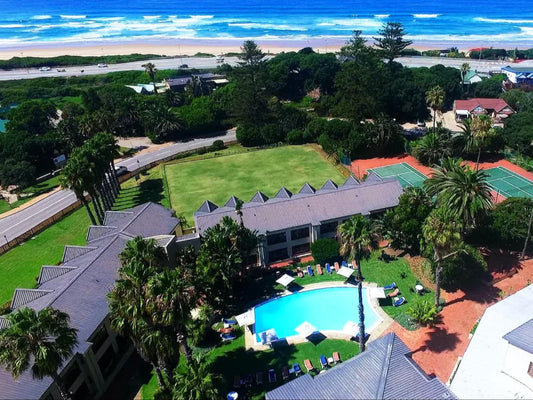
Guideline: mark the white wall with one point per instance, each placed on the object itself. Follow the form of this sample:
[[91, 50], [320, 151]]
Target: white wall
[[516, 364]]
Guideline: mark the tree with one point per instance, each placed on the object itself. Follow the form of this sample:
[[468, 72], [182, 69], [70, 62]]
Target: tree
[[481, 131], [37, 340], [465, 67], [34, 117], [356, 241], [162, 122], [144, 251], [325, 250], [435, 100], [391, 43], [518, 132], [195, 381], [461, 190], [402, 225], [151, 70], [442, 231], [507, 224], [433, 147]]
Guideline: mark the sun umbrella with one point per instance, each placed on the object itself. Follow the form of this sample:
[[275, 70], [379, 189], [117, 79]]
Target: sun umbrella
[[306, 329], [377, 293], [346, 272], [285, 280], [351, 328], [246, 318]]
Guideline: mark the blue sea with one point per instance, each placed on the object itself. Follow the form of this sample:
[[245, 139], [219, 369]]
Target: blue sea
[[28, 22]]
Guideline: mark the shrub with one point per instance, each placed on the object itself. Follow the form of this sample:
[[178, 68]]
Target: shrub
[[217, 145], [463, 269], [296, 136], [423, 311], [509, 221], [248, 136], [325, 250]]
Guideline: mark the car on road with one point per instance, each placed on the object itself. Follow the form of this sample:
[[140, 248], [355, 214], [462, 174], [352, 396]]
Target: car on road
[[101, 65], [183, 66], [219, 59], [122, 170], [44, 69]]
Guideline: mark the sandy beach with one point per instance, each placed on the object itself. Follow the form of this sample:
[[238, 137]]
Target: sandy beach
[[189, 47]]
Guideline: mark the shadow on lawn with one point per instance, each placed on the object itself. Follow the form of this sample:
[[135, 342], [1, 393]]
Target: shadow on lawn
[[150, 190]]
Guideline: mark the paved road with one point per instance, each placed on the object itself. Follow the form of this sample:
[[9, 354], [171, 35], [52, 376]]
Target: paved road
[[16, 224], [160, 63]]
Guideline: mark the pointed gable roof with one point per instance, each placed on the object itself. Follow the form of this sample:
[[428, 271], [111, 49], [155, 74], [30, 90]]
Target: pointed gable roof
[[328, 186], [259, 197], [283, 193], [98, 231], [49, 272], [351, 181], [232, 202], [207, 207], [306, 189], [71, 252], [24, 296], [373, 178]]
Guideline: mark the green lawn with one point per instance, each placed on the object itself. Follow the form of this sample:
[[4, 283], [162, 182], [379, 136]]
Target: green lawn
[[217, 179], [20, 266], [35, 190]]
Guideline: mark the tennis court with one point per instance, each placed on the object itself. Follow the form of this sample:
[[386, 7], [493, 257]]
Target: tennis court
[[508, 183], [407, 175]]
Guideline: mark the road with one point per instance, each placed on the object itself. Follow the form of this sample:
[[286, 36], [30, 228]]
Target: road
[[16, 224]]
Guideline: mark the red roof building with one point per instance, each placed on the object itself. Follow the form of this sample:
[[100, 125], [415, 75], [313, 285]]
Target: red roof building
[[497, 109]]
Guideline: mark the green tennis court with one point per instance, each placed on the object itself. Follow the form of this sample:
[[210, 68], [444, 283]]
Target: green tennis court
[[407, 175], [508, 183]]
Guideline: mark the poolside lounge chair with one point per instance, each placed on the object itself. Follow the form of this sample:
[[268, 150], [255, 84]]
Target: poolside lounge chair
[[354, 264], [259, 378], [308, 365], [310, 270], [323, 361], [367, 335], [390, 287], [296, 368], [271, 375], [319, 269], [336, 265], [394, 293], [285, 372], [229, 321], [227, 336], [237, 382], [300, 272], [398, 301], [344, 264], [336, 357], [328, 268]]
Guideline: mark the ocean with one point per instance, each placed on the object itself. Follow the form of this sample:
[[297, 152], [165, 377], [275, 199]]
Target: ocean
[[32, 22]]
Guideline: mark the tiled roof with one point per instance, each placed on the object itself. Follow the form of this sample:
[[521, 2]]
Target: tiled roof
[[25, 296], [303, 209], [49, 272], [283, 193], [488, 104], [207, 207], [306, 189], [385, 371], [522, 337], [259, 197], [72, 252], [351, 181], [95, 232], [232, 202]]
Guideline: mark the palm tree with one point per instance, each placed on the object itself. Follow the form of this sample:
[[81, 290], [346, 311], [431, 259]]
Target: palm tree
[[163, 122], [469, 140], [195, 381], [144, 251], [465, 67], [432, 148], [435, 100], [460, 189], [442, 231], [37, 340], [481, 129], [357, 240], [151, 70]]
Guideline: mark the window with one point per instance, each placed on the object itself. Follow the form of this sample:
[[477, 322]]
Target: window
[[105, 363], [301, 233], [278, 255], [530, 369], [98, 338], [301, 249], [328, 227], [71, 374], [275, 238]]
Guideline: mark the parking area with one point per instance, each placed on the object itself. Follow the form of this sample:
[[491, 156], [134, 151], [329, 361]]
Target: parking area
[[406, 174]]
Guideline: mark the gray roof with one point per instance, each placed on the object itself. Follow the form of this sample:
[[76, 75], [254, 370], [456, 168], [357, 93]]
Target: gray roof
[[72, 252], [351, 181], [49, 272], [81, 292], [207, 207], [259, 197], [283, 193], [385, 371], [522, 337], [306, 189], [232, 202], [328, 186], [309, 208]]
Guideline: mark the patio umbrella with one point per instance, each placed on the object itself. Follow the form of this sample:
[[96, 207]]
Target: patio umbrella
[[377, 293], [306, 329], [246, 318], [346, 272], [285, 280], [351, 328], [268, 336]]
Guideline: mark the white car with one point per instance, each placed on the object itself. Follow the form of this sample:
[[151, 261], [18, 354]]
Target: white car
[[43, 69], [102, 65]]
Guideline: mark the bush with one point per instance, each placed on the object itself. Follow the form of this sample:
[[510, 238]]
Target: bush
[[296, 136], [508, 223], [325, 250], [423, 312], [463, 269], [249, 136], [217, 145]]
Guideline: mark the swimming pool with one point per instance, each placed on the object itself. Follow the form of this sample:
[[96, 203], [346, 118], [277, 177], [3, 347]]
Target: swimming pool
[[326, 309]]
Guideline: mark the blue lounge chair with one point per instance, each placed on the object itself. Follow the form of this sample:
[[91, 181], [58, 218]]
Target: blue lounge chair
[[296, 368], [344, 264], [229, 321], [328, 268], [310, 270], [323, 361], [228, 336], [271, 375], [399, 302], [390, 287]]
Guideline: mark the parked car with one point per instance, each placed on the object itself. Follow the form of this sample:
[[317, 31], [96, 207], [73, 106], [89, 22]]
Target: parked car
[[183, 66], [122, 170], [102, 65], [43, 69], [421, 124]]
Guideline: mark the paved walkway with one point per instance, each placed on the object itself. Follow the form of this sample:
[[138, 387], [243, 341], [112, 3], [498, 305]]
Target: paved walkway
[[437, 348]]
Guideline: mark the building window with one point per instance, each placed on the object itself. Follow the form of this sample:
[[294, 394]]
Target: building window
[[278, 255], [302, 233], [71, 374], [530, 369], [105, 363], [328, 227], [301, 249], [98, 338], [275, 238]]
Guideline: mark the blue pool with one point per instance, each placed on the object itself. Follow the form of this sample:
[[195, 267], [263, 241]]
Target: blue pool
[[326, 309]]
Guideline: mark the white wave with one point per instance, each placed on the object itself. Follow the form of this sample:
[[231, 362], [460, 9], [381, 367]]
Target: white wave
[[109, 18], [41, 17], [73, 16], [525, 35], [11, 26], [382, 15], [202, 16], [426, 15], [254, 25], [326, 24], [504, 21], [151, 17], [357, 22]]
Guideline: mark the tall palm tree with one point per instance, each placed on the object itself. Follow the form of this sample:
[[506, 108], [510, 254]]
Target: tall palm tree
[[163, 122], [442, 231], [481, 130], [462, 190], [469, 140], [435, 100], [465, 67], [144, 251], [195, 381], [357, 240], [40, 341], [151, 70], [432, 148]]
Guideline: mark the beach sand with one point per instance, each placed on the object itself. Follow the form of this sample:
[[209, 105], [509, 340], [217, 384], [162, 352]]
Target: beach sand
[[190, 47]]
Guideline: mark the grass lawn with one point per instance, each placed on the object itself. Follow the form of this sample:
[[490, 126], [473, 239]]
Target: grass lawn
[[35, 190], [217, 179], [21, 265]]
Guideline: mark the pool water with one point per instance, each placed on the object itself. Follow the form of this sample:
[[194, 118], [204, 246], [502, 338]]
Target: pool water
[[326, 309]]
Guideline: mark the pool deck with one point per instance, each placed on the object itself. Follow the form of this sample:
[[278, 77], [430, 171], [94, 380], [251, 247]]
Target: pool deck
[[384, 324]]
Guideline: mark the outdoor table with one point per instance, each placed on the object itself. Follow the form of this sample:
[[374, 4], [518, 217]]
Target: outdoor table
[[419, 288], [330, 360]]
